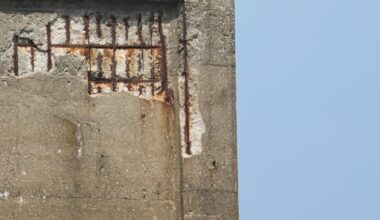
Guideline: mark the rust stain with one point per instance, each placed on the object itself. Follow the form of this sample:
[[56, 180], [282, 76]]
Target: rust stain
[[92, 53], [108, 53], [107, 56], [131, 60], [129, 86], [79, 51], [156, 57]]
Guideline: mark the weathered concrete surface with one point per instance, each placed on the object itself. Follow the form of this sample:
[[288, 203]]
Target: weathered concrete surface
[[65, 154], [74, 157], [210, 179], [43, 3]]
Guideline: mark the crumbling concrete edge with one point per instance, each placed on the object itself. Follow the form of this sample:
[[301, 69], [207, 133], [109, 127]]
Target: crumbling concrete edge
[[209, 179], [191, 121]]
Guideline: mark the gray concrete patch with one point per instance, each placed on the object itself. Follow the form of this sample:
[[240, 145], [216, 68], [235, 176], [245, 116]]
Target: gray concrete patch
[[117, 110]]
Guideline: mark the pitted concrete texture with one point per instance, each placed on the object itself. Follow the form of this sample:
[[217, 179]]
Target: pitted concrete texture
[[82, 134], [71, 157]]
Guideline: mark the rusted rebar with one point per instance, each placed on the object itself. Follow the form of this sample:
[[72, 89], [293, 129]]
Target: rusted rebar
[[99, 63], [126, 28], [67, 28], [98, 26], [152, 64], [123, 80], [105, 46], [140, 56], [157, 51], [164, 68], [48, 33], [32, 58], [128, 55], [86, 29], [140, 29], [86, 21], [186, 74], [15, 55], [113, 65]]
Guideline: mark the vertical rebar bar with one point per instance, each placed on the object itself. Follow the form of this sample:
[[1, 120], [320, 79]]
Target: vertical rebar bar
[[48, 33], [15, 55], [113, 35], [186, 74]]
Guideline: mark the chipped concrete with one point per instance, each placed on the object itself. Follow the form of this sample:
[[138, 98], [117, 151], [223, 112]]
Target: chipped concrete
[[117, 110]]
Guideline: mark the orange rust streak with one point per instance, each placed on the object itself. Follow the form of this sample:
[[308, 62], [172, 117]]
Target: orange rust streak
[[108, 53]]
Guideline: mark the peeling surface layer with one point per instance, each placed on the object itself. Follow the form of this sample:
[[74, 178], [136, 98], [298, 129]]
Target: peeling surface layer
[[190, 116], [121, 55]]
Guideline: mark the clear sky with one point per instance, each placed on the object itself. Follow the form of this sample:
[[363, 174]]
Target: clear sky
[[308, 80]]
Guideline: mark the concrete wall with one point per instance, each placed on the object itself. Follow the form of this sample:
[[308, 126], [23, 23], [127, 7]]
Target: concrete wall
[[210, 178], [137, 122]]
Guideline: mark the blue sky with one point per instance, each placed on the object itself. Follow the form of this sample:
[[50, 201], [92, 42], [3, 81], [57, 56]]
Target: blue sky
[[308, 81]]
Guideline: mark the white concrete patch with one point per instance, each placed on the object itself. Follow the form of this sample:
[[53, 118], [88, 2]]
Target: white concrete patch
[[79, 140], [20, 201], [4, 195], [197, 125]]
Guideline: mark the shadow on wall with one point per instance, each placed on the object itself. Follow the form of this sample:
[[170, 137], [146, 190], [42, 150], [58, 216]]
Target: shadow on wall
[[48, 5]]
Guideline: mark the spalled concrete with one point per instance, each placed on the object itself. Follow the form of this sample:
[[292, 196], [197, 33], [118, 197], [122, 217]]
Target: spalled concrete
[[82, 135]]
